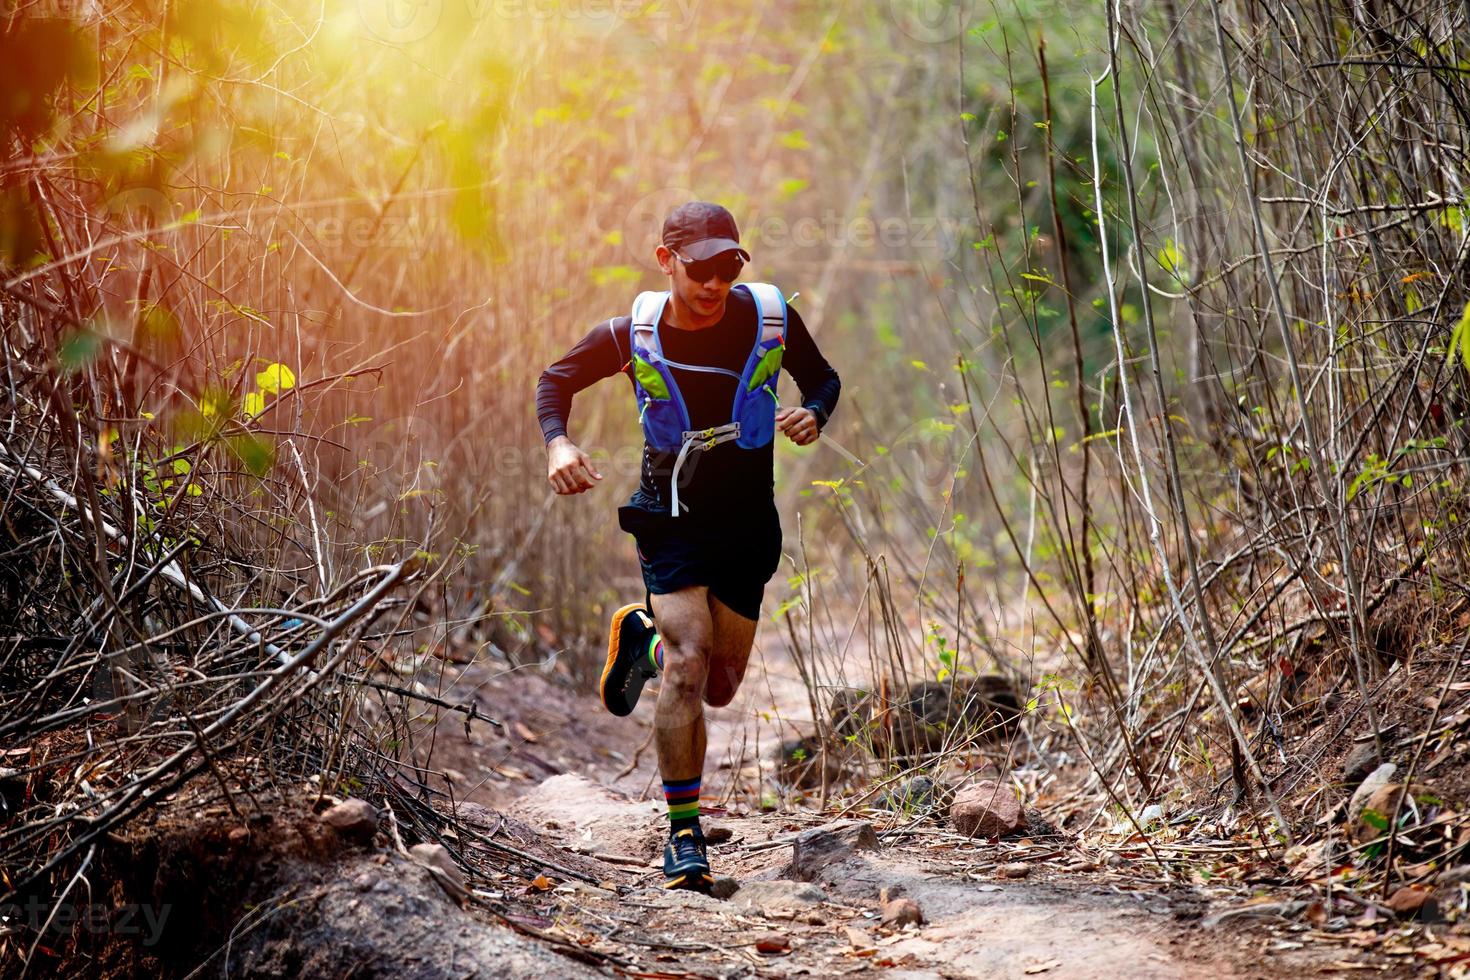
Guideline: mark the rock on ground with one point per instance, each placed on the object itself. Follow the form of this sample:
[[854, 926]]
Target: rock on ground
[[900, 912], [353, 819], [920, 794], [987, 809], [383, 921], [822, 847], [1359, 763]]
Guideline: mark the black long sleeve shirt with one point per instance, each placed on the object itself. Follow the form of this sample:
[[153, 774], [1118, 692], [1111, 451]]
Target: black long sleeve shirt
[[712, 481]]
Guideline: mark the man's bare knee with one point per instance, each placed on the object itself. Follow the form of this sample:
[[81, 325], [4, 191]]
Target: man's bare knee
[[686, 669]]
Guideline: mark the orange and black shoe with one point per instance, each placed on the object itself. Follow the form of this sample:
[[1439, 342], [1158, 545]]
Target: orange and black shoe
[[629, 660], [686, 865]]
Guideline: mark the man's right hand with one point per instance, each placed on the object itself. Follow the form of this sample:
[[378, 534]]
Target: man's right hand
[[568, 469]]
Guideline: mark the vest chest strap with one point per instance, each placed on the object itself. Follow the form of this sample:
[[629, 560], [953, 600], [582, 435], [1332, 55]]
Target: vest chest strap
[[698, 441]]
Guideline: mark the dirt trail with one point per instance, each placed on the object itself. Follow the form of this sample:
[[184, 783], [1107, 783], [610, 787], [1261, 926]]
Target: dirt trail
[[577, 777], [976, 924]]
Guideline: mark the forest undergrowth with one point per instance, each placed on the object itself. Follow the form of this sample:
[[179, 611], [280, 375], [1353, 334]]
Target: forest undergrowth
[[1154, 323]]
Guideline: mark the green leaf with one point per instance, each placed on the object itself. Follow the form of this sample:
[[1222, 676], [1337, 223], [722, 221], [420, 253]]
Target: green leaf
[[257, 454], [795, 140], [649, 379], [768, 365], [785, 608], [1460, 338], [275, 379], [791, 187], [1171, 257], [77, 350]]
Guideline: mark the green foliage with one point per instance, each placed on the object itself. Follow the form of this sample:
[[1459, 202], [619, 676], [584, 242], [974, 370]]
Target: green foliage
[[1460, 339], [77, 350]]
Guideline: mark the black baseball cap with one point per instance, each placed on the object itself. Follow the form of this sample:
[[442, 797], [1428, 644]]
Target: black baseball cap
[[700, 230]]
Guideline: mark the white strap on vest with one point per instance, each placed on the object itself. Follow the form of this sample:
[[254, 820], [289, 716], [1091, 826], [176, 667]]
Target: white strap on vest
[[699, 442], [772, 309], [647, 309]]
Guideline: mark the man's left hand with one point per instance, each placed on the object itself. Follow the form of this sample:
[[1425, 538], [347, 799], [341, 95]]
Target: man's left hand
[[799, 424]]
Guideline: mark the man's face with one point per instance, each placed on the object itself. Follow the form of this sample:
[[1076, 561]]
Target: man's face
[[704, 298]]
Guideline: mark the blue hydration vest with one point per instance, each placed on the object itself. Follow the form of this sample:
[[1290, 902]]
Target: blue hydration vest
[[661, 409]]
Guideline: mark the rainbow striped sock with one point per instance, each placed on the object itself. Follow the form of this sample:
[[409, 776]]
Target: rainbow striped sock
[[656, 652], [683, 798]]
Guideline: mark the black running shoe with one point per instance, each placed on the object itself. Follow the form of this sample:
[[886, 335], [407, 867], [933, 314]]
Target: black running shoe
[[685, 863], [628, 667]]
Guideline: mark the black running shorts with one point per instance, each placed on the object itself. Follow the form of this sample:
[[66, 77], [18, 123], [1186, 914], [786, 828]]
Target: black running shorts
[[735, 558]]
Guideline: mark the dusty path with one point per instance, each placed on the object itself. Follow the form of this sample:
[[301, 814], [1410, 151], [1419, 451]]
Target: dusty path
[[1063, 919], [975, 924], [575, 776]]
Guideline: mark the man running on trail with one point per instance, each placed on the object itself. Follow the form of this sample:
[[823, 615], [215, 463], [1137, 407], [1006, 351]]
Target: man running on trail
[[703, 360]]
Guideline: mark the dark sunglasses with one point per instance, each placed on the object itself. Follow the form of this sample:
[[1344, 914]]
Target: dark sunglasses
[[726, 265]]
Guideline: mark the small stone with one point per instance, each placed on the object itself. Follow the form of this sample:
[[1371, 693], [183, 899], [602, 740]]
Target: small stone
[[718, 834], [724, 887], [902, 912], [823, 847], [353, 819], [239, 835], [772, 942], [1015, 869], [365, 881], [814, 919], [987, 809], [1358, 763], [921, 794]]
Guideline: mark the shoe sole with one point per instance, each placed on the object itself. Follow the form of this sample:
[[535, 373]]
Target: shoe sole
[[692, 882], [614, 636]]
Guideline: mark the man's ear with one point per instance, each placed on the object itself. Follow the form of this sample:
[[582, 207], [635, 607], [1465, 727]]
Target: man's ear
[[665, 258]]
